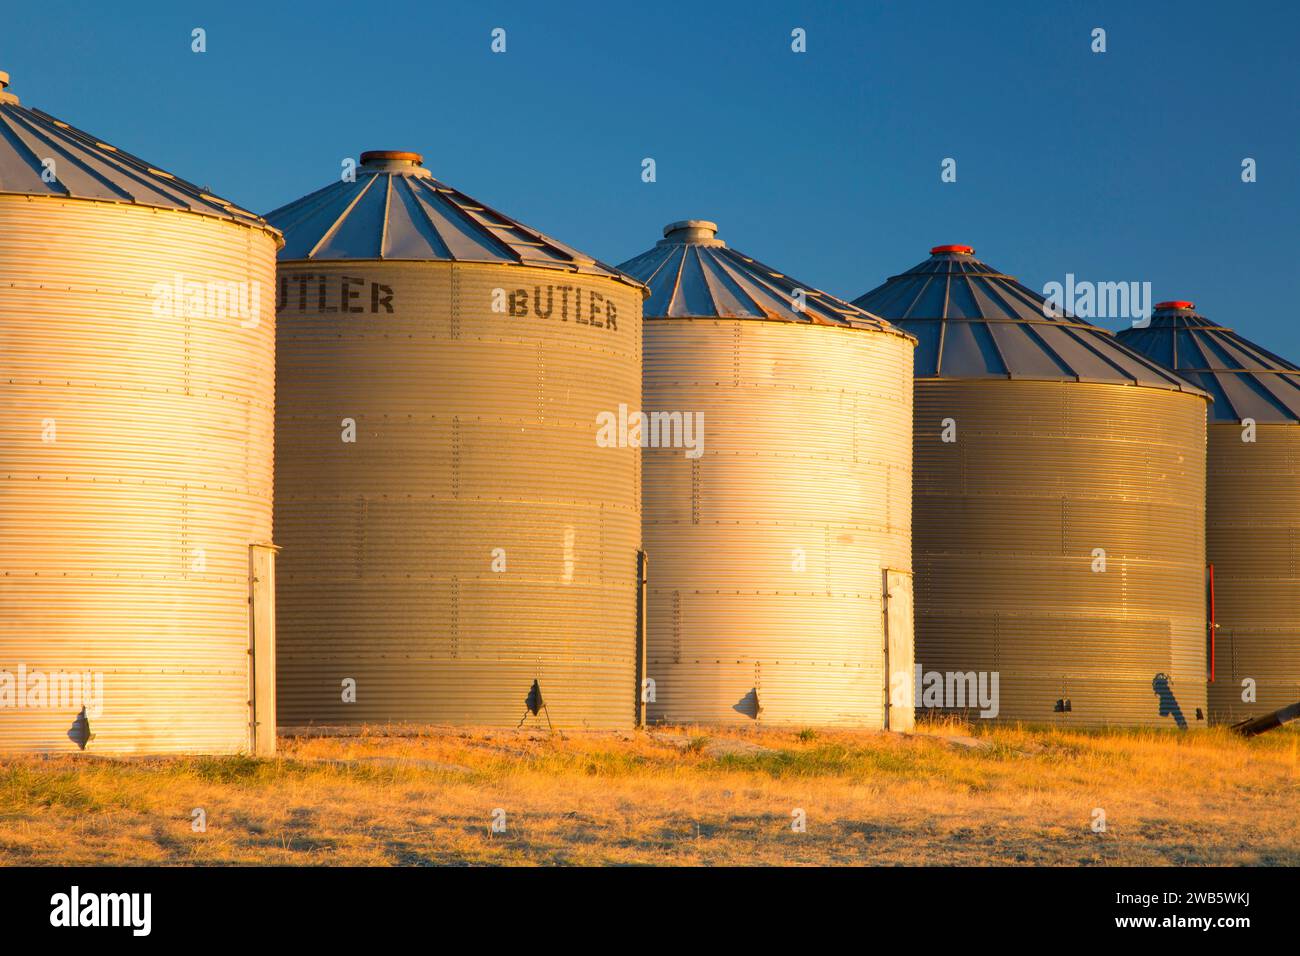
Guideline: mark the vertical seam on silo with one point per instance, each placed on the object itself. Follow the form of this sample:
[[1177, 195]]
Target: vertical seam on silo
[[455, 457], [736, 336], [455, 301], [677, 627], [997, 640], [695, 490], [1065, 517]]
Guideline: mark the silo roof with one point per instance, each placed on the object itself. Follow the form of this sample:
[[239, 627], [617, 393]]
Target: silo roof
[[85, 167], [694, 274], [973, 321], [393, 209], [1243, 379]]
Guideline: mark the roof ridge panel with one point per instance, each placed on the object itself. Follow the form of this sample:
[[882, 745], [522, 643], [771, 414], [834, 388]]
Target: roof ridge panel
[[1248, 380], [727, 280], [414, 217], [1027, 342], [89, 168]]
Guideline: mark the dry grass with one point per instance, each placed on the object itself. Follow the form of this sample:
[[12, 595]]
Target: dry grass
[[675, 796]]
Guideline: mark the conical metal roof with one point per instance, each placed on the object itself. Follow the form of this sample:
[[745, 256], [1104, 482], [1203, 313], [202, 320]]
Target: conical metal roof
[[44, 156], [693, 274], [395, 210], [1244, 380], [973, 321]]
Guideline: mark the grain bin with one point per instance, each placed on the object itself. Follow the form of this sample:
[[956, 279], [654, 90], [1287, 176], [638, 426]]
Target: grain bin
[[454, 527], [1059, 526], [780, 539], [1252, 504], [136, 361]]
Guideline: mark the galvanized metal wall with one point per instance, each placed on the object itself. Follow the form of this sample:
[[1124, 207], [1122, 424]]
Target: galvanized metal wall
[[1006, 521], [476, 430], [124, 531], [1253, 541], [766, 551]]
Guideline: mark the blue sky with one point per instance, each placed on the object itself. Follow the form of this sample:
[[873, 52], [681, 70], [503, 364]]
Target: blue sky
[[1117, 166]]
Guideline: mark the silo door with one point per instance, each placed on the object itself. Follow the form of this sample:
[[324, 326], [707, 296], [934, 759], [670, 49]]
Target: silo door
[[900, 709], [261, 649]]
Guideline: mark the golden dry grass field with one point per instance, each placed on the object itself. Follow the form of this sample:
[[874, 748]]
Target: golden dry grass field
[[948, 794]]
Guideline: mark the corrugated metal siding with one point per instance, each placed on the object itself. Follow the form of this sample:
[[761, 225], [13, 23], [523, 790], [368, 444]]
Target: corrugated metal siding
[[476, 430], [807, 445], [1006, 520], [163, 447], [1253, 540]]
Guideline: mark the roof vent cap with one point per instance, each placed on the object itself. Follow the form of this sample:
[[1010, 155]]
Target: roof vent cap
[[393, 161], [959, 250], [696, 231], [1181, 304]]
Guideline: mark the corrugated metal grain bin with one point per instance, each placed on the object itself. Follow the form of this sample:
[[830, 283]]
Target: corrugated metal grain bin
[[1059, 523], [136, 389], [775, 537], [453, 527], [1252, 504]]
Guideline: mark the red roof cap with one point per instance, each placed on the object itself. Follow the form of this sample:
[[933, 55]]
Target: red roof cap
[[963, 250], [1175, 304], [401, 155]]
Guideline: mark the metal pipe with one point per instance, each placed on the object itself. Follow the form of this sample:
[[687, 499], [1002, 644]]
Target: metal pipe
[[642, 579], [1213, 625]]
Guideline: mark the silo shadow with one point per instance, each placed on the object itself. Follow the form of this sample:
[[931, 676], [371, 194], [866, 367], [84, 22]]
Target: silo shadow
[[1168, 702], [748, 705]]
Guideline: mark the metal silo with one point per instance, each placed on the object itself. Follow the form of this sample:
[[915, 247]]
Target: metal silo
[[780, 544], [136, 391], [1252, 504], [454, 527], [1059, 523]]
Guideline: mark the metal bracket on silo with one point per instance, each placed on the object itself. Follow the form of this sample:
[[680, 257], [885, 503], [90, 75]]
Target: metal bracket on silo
[[642, 592]]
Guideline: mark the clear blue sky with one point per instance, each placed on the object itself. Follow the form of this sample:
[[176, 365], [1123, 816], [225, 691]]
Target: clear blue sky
[[1116, 166]]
